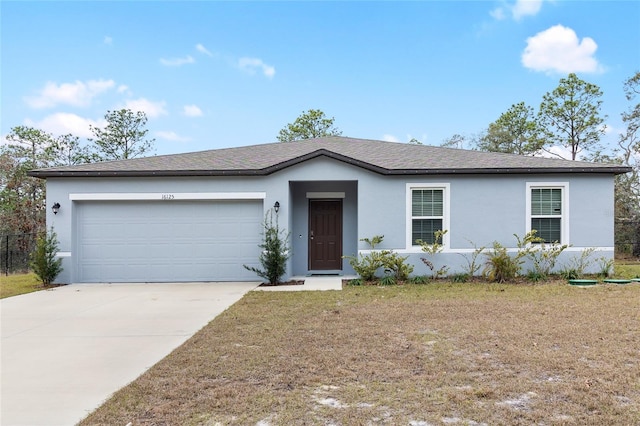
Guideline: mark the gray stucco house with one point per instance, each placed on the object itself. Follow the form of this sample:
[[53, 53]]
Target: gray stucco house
[[198, 216]]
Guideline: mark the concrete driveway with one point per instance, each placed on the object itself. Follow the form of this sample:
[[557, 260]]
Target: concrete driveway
[[64, 351]]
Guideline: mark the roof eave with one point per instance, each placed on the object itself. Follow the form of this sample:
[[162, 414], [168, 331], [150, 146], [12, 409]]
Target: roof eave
[[510, 170], [43, 174]]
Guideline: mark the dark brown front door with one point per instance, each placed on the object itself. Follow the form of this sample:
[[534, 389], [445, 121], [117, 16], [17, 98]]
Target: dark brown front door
[[325, 234]]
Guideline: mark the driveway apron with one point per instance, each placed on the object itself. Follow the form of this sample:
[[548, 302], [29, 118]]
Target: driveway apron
[[66, 350]]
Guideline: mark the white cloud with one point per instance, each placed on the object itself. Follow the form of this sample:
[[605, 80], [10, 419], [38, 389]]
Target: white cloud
[[192, 111], [62, 123], [200, 48], [518, 10], [150, 108], [123, 88], [171, 136], [177, 62], [79, 93], [525, 8], [556, 151], [559, 50], [250, 65], [498, 14], [390, 138], [108, 40]]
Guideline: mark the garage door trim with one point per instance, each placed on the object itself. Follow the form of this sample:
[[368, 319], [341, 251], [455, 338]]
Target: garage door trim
[[166, 196], [156, 241]]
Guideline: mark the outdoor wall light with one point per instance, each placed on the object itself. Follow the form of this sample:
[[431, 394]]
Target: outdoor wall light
[[55, 208], [276, 207]]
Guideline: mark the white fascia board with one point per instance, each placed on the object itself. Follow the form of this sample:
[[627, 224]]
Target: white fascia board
[[167, 196]]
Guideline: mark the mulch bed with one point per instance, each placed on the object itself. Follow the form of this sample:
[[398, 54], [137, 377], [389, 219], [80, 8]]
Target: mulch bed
[[292, 282]]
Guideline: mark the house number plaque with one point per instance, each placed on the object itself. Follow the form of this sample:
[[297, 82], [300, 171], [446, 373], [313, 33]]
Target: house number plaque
[[168, 196]]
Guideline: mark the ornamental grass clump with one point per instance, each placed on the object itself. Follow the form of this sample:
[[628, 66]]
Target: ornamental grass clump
[[501, 267]]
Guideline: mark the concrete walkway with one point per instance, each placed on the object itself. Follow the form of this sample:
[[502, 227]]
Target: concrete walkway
[[313, 283], [66, 350]]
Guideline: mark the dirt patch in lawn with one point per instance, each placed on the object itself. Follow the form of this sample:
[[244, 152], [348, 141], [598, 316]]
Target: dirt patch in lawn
[[414, 355]]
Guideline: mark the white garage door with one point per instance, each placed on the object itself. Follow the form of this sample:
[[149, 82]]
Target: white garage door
[[149, 241]]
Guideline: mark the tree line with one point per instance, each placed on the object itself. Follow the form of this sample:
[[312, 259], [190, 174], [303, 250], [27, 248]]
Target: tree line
[[22, 198], [568, 117]]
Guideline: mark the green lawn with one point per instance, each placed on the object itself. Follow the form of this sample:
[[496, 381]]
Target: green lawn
[[16, 284], [627, 270]]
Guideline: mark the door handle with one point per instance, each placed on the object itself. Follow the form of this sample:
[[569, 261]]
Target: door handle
[[311, 235]]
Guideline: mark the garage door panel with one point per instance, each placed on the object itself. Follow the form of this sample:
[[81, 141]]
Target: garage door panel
[[176, 241]]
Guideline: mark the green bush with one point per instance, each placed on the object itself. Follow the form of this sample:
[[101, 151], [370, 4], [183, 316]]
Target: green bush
[[396, 265], [43, 259], [275, 252], [460, 278], [502, 267], [367, 266]]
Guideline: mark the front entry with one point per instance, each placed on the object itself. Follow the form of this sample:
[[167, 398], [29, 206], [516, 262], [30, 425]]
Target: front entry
[[325, 235]]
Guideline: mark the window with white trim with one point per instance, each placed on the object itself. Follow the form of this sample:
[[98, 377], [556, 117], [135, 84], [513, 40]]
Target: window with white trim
[[427, 213], [546, 211]]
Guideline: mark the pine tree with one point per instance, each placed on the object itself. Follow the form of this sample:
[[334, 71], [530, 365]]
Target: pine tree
[[43, 259]]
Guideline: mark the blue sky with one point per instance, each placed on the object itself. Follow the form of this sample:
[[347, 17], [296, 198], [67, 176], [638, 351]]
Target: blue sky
[[221, 74]]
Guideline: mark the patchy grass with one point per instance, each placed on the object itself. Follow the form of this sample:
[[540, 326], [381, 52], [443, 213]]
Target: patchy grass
[[416, 354], [627, 269], [16, 284]]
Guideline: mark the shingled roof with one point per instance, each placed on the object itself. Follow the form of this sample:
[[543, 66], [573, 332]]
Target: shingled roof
[[386, 158]]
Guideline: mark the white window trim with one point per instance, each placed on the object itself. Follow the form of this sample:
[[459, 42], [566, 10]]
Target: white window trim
[[564, 220], [446, 187]]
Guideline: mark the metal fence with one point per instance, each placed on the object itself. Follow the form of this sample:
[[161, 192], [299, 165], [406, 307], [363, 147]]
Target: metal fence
[[15, 251], [627, 237]]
